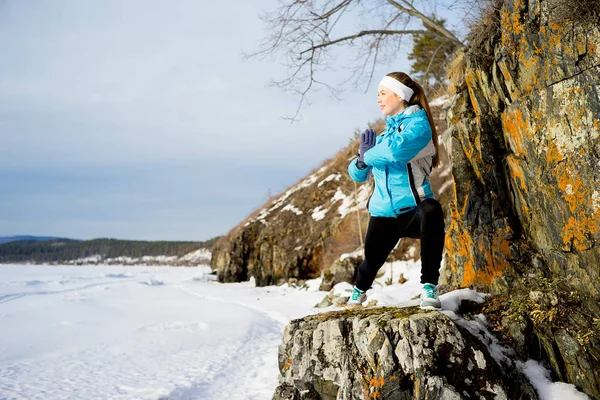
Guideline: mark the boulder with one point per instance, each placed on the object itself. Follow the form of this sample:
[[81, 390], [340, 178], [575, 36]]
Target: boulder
[[390, 353], [343, 270]]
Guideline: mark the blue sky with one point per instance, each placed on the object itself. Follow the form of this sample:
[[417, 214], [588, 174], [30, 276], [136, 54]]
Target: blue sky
[[141, 119]]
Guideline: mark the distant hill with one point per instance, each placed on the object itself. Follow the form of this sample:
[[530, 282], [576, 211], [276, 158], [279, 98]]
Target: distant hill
[[7, 239], [105, 251]]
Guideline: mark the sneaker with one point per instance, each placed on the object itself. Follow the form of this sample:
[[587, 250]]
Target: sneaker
[[429, 299], [357, 298]]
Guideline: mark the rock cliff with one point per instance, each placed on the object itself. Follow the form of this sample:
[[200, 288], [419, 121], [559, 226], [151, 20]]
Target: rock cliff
[[525, 218]]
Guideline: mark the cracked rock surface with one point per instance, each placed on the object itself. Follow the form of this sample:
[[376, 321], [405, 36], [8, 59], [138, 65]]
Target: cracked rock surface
[[389, 353]]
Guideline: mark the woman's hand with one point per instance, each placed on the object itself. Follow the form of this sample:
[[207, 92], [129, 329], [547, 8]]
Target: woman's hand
[[367, 140]]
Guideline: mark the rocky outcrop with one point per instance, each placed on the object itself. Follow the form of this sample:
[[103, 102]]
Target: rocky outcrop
[[525, 126], [342, 270], [390, 353], [297, 233]]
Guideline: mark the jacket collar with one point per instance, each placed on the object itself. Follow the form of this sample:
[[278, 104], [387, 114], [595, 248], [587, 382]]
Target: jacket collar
[[395, 120]]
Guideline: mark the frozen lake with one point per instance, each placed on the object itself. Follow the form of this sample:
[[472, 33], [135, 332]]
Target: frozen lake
[[94, 332], [168, 333]]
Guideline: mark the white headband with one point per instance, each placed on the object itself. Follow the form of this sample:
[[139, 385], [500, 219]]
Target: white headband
[[403, 91]]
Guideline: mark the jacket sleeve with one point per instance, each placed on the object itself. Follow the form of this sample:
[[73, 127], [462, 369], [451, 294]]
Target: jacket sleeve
[[403, 147], [357, 174]]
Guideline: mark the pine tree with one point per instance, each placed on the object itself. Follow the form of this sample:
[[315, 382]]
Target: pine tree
[[429, 55]]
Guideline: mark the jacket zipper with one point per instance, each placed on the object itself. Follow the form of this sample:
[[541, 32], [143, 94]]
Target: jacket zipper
[[387, 187], [411, 183]]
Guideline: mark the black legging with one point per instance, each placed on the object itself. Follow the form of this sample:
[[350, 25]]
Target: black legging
[[425, 222]]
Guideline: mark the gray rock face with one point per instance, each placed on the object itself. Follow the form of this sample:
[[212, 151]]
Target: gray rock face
[[525, 127], [389, 353]]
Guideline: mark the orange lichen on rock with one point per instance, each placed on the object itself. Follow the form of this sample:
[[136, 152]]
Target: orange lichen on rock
[[585, 219], [574, 191], [511, 22], [497, 256], [577, 230], [458, 245], [514, 20], [553, 155], [287, 364], [516, 172], [470, 80], [554, 39], [372, 385], [516, 127]]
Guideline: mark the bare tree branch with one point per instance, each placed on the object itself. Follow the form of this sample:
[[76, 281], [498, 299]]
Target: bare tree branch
[[304, 34], [335, 9], [362, 33], [410, 10]]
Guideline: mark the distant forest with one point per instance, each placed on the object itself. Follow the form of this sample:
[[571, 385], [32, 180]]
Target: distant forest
[[61, 250]]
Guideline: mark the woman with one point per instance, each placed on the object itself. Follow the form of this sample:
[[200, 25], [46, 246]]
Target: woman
[[402, 203]]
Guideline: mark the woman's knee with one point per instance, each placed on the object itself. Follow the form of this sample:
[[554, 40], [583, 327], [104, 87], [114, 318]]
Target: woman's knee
[[430, 206], [431, 211]]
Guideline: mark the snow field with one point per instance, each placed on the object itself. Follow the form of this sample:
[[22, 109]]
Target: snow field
[[173, 333]]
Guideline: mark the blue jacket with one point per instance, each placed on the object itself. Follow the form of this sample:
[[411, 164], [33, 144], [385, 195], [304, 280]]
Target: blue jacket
[[400, 162]]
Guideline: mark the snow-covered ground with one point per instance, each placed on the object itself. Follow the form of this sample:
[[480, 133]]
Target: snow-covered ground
[[115, 332]]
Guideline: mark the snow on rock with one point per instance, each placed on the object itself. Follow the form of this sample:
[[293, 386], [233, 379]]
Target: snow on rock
[[312, 285], [264, 213], [354, 254], [347, 201], [324, 168], [198, 256], [548, 390], [331, 177], [292, 208], [451, 301], [448, 184], [319, 213], [342, 289]]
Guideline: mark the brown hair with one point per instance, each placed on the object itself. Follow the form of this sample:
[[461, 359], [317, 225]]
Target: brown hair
[[419, 98]]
